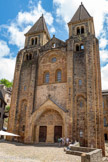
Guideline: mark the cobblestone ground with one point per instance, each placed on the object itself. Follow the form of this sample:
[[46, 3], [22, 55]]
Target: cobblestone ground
[[17, 152]]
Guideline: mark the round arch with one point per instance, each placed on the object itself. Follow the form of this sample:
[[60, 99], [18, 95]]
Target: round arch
[[39, 119]]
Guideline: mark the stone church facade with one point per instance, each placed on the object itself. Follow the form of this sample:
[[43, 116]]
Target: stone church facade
[[57, 85]]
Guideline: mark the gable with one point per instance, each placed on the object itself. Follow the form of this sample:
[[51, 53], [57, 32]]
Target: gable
[[53, 44], [51, 103]]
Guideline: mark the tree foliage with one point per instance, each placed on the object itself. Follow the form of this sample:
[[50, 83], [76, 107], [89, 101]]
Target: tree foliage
[[7, 108], [6, 82]]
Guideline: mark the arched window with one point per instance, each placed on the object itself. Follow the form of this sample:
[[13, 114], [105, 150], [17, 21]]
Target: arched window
[[46, 77], [80, 82], [27, 57], [30, 56], [36, 40], [82, 30], [53, 45], [81, 133], [81, 104], [103, 104], [23, 128], [77, 47], [81, 47], [53, 59], [32, 41], [58, 75], [78, 31], [25, 88]]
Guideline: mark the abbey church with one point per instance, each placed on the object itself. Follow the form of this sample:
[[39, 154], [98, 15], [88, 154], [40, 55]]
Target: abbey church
[[57, 85]]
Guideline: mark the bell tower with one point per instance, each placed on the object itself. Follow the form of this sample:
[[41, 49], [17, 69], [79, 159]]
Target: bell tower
[[81, 23], [83, 50], [38, 35]]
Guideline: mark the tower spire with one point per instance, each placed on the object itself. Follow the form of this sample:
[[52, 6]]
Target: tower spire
[[38, 27], [81, 14]]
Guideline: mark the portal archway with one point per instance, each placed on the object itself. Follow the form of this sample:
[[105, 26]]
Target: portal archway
[[46, 128]]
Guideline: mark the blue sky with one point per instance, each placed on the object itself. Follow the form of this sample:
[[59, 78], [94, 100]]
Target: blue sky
[[17, 16]]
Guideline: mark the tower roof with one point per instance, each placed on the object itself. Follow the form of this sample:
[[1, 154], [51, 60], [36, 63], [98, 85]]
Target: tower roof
[[39, 26], [81, 14]]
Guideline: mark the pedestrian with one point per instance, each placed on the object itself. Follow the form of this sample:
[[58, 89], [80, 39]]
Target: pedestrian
[[63, 141], [59, 141], [67, 141]]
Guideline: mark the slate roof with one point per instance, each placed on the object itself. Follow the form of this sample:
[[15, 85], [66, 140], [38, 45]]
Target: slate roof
[[55, 104], [81, 14], [38, 27]]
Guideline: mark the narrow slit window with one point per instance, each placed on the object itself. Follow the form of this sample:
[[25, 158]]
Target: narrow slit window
[[80, 82], [103, 104], [82, 47], [59, 76], [81, 133], [30, 56], [26, 57], [81, 104], [32, 41], [47, 77], [35, 40], [78, 31], [23, 128], [82, 30], [77, 48]]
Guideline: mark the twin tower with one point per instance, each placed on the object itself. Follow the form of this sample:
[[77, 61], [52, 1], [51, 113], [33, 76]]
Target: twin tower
[[57, 86]]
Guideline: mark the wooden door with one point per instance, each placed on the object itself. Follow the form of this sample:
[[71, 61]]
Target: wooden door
[[57, 133], [42, 133]]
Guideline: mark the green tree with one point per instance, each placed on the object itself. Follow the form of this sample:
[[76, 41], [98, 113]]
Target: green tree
[[6, 82], [7, 108]]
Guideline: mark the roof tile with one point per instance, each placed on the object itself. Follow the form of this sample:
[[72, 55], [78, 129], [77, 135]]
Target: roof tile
[[39, 26]]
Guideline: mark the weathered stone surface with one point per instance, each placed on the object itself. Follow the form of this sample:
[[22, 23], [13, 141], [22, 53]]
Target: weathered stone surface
[[74, 102]]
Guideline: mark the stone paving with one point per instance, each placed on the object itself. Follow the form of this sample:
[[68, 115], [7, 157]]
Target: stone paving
[[17, 152]]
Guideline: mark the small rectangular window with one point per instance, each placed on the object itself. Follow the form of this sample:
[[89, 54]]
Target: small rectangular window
[[80, 82], [81, 133], [81, 104], [23, 128], [103, 104]]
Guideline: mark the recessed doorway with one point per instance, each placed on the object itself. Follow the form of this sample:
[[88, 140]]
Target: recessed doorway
[[57, 133], [42, 133]]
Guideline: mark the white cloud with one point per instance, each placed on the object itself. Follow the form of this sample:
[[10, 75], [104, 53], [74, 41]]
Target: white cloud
[[4, 49], [7, 67], [103, 42], [97, 9], [16, 36], [104, 56], [34, 14], [24, 21], [52, 30], [104, 76]]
